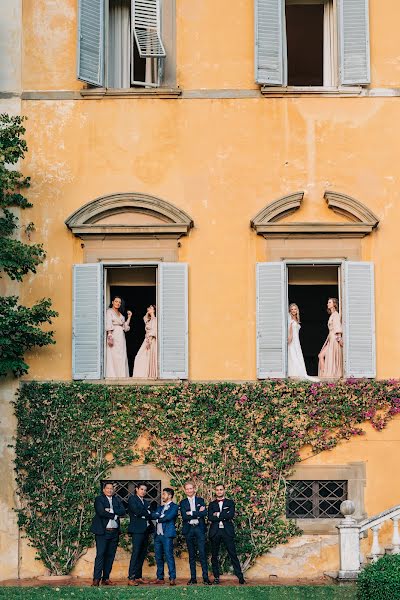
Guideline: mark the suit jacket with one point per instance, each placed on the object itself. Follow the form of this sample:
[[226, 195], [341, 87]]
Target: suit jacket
[[167, 519], [102, 516], [226, 515], [197, 514], [139, 515]]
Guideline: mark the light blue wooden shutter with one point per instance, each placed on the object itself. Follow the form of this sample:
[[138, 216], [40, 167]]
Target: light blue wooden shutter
[[359, 319], [354, 63], [146, 23], [91, 41], [88, 311], [270, 42], [173, 320], [271, 320]]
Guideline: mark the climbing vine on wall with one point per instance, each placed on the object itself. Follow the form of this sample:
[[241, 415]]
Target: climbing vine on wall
[[247, 435]]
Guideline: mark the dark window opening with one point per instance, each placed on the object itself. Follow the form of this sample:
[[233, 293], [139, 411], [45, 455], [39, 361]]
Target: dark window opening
[[125, 488], [305, 44], [315, 499], [310, 287]]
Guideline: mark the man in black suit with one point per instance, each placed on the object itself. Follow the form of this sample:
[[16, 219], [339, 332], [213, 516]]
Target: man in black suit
[[193, 511], [105, 526], [221, 513], [140, 528]]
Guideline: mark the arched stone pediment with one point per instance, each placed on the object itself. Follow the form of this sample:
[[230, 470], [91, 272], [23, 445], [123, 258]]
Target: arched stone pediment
[[360, 221], [129, 215]]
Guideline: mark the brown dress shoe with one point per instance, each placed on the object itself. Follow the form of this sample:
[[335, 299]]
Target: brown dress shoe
[[172, 582], [107, 582], [157, 582], [95, 582], [140, 580], [133, 582]]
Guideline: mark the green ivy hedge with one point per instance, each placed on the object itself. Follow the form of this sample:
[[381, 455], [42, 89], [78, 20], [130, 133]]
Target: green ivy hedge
[[381, 580], [249, 435]]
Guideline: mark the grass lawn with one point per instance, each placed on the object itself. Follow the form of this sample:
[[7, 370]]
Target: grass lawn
[[199, 593]]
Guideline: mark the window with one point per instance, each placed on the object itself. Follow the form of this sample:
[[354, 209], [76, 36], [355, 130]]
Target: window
[[312, 42], [311, 283], [125, 488], [310, 36], [315, 499], [125, 43]]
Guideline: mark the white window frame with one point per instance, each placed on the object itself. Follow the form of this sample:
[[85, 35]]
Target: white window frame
[[330, 54]]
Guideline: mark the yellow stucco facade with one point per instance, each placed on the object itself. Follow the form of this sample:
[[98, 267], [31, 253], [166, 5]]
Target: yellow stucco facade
[[220, 151]]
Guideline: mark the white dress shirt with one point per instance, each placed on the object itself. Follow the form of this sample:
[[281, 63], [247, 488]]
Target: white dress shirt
[[159, 525], [112, 523], [220, 504], [192, 502]]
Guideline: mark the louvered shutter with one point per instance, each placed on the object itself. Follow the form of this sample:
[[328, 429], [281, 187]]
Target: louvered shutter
[[88, 310], [146, 26], [359, 319], [270, 42], [271, 320], [354, 42], [172, 314], [91, 41]]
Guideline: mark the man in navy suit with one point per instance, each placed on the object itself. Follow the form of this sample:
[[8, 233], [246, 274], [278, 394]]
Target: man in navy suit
[[165, 516], [221, 513], [105, 526], [193, 511], [139, 528]]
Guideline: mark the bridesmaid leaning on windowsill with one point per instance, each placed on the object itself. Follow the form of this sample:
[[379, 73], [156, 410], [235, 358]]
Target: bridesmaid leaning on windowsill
[[116, 327], [330, 364]]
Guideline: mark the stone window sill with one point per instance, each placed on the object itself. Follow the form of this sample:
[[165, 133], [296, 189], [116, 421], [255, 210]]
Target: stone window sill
[[279, 92], [95, 93]]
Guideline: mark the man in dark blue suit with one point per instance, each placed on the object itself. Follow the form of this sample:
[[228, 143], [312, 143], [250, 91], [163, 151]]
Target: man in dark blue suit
[[193, 511], [221, 513], [105, 526], [139, 528], [165, 516]]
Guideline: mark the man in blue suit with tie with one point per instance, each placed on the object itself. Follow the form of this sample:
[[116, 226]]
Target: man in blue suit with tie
[[165, 517], [193, 511]]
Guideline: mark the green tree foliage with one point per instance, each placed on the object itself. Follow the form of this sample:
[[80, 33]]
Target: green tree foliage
[[249, 436], [20, 326]]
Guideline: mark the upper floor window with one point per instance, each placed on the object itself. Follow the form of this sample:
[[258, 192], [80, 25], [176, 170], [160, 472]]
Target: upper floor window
[[121, 42], [312, 42]]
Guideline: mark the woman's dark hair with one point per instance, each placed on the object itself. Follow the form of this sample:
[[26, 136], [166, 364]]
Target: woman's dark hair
[[155, 309], [122, 307]]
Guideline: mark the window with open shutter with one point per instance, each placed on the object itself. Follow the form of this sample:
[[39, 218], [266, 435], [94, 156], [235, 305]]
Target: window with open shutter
[[359, 319], [91, 41], [271, 320], [172, 314], [146, 25], [88, 309], [270, 44], [354, 42]]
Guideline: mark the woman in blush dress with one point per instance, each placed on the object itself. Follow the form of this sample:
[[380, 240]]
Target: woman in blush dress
[[145, 366], [331, 355], [296, 364], [116, 327]]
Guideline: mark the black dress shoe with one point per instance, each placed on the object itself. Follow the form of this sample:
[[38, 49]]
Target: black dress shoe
[[96, 582], [207, 582], [192, 582], [216, 581], [242, 581]]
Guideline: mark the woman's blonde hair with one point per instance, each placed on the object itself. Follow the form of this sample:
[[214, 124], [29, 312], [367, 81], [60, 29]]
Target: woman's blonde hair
[[298, 312]]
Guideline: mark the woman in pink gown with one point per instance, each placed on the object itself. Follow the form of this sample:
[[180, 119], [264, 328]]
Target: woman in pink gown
[[331, 355], [116, 327], [145, 366]]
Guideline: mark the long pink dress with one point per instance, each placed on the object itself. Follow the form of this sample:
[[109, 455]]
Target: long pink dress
[[116, 356], [145, 366], [333, 365]]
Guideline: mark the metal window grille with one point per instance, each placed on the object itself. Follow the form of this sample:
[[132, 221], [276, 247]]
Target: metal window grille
[[125, 488], [315, 499]]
